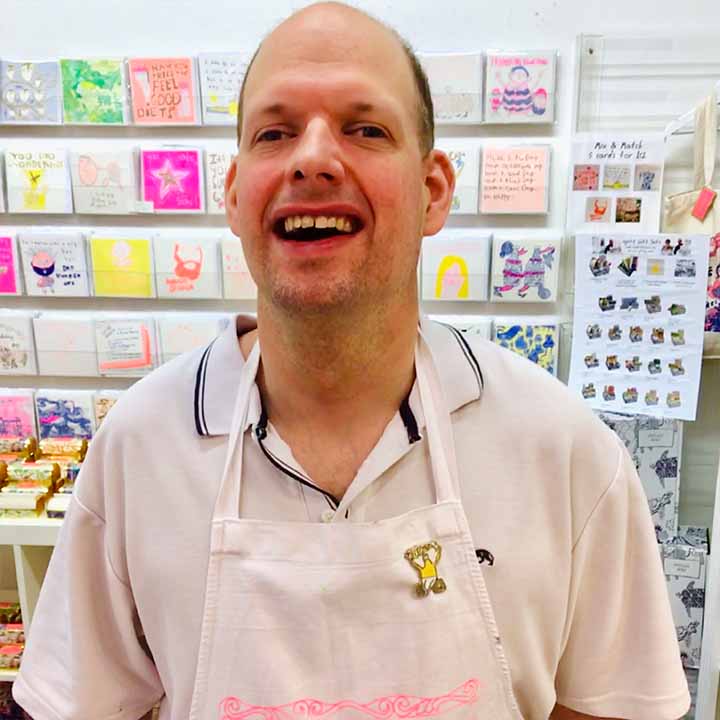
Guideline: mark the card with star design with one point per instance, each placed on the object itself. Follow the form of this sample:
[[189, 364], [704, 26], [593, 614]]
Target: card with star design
[[38, 179], [172, 179]]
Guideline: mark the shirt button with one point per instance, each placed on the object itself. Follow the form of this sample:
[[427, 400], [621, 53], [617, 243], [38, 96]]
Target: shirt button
[[328, 516]]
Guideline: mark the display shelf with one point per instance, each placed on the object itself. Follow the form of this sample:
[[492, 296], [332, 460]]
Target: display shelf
[[42, 531]]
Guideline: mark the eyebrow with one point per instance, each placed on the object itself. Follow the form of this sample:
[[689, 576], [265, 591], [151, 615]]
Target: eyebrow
[[282, 109]]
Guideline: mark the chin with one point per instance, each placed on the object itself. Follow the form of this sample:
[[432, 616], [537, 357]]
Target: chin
[[315, 299]]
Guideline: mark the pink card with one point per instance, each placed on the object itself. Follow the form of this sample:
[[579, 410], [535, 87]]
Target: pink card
[[172, 179], [515, 179], [8, 267], [163, 91], [705, 201], [17, 414]]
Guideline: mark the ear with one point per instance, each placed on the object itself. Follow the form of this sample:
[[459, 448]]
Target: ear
[[230, 192], [438, 190]]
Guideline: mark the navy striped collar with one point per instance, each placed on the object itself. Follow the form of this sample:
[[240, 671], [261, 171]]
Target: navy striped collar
[[221, 364]]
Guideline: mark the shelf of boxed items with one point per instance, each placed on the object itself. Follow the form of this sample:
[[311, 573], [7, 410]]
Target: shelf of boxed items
[[641, 84]]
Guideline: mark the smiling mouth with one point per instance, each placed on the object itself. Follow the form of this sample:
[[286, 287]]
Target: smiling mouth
[[309, 228]]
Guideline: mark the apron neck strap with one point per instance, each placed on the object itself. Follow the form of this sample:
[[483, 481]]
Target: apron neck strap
[[706, 130]]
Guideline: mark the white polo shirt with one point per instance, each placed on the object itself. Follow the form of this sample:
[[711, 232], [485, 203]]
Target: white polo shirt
[[550, 493]]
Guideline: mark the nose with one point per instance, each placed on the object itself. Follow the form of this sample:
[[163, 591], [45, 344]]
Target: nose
[[316, 161]]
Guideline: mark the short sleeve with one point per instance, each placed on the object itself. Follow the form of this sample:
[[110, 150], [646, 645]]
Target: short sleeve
[[84, 658], [621, 657]]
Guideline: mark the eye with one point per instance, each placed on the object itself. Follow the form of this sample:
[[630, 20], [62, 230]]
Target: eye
[[272, 135], [368, 131]]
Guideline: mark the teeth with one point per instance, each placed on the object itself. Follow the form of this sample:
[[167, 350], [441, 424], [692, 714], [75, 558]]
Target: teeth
[[321, 222], [297, 222], [308, 221], [341, 223], [332, 222]]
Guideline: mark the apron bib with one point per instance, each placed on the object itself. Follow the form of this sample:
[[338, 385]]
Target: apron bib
[[346, 620]]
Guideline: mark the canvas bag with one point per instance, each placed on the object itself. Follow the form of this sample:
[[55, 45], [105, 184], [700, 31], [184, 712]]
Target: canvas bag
[[677, 217]]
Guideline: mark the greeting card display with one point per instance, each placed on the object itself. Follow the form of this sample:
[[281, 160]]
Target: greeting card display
[[530, 337], [54, 263], [103, 181], [187, 266], [122, 266], [456, 86], [524, 270], [65, 344], [93, 91], [9, 266], [103, 402], [30, 92], [237, 281], [470, 325], [638, 322], [163, 91], [615, 183], [455, 265], [515, 179], [65, 414], [520, 87], [38, 179], [217, 163], [17, 414], [183, 333], [172, 179], [125, 346], [17, 345], [221, 75], [465, 158]]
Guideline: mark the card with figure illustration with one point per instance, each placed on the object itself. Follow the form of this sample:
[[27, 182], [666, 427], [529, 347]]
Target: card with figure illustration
[[9, 266], [181, 333], [122, 266], [163, 91], [30, 92], [217, 163], [455, 265], [465, 158], [524, 270], [530, 337], [65, 344], [469, 325], [126, 345], [104, 401], [17, 414], [520, 86], [65, 414], [221, 75], [93, 91], [17, 343], [456, 81], [38, 179], [238, 283], [54, 263], [171, 179], [103, 181], [187, 265]]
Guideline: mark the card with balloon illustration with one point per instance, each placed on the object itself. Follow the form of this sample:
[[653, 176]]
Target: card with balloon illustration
[[103, 181], [465, 158]]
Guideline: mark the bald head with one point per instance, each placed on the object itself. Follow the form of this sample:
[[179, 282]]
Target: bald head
[[330, 31]]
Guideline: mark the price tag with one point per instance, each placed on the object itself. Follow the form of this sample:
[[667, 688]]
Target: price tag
[[704, 203]]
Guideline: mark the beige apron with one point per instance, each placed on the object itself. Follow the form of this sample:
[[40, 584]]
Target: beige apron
[[350, 620], [677, 217]]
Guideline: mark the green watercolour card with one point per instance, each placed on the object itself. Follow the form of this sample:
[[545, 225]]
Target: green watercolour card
[[93, 91]]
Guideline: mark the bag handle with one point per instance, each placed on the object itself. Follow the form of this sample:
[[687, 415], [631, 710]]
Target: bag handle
[[706, 131]]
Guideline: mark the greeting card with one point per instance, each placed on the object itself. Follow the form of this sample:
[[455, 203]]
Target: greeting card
[[531, 338], [103, 181], [217, 163], [65, 414], [17, 414], [54, 263], [187, 266], [30, 92], [122, 266], [455, 265], [237, 281], [38, 179], [163, 91], [456, 85], [104, 401], [515, 179], [470, 325], [524, 270], [9, 267], [221, 75], [182, 333], [93, 91], [172, 179], [125, 345], [2, 182], [465, 158], [520, 87], [17, 346], [65, 344]]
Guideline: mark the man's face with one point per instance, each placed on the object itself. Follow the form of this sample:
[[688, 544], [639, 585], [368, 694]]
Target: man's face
[[330, 144]]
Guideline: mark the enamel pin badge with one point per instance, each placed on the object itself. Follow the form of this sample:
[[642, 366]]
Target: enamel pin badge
[[425, 559]]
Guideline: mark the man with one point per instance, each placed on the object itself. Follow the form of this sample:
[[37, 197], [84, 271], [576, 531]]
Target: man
[[246, 532]]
